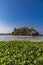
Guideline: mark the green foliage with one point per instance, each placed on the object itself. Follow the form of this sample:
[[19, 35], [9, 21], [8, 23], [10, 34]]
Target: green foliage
[[21, 53], [25, 31]]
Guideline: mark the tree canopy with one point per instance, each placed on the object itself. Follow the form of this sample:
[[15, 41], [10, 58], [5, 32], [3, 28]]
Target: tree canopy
[[24, 31]]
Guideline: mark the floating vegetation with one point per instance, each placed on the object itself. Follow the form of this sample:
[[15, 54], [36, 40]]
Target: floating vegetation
[[21, 53]]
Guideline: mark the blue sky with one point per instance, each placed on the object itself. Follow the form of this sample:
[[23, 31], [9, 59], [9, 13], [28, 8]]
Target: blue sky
[[17, 13]]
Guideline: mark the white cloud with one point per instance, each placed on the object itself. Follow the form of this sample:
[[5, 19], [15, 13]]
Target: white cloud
[[4, 29]]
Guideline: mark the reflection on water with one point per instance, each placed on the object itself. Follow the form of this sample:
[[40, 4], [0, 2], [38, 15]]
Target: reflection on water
[[11, 38]]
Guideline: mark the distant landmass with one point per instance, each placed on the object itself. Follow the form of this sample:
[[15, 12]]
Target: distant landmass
[[25, 31], [5, 33]]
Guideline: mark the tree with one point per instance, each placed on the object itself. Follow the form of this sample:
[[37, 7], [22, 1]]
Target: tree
[[24, 31]]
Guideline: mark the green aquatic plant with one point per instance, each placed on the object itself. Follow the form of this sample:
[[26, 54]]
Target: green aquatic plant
[[21, 53]]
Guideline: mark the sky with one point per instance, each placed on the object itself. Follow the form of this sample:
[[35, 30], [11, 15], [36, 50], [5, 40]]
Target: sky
[[20, 13]]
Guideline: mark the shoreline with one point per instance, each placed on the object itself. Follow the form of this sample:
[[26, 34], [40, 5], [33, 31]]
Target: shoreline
[[21, 38]]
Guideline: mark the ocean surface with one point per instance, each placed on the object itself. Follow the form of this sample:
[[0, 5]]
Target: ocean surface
[[25, 38]]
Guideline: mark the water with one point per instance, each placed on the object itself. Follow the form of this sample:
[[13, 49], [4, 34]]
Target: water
[[26, 38]]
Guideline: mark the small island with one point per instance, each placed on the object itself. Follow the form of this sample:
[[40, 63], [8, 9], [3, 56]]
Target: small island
[[25, 31]]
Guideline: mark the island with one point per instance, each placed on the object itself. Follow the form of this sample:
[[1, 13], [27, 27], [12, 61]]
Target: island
[[25, 31]]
